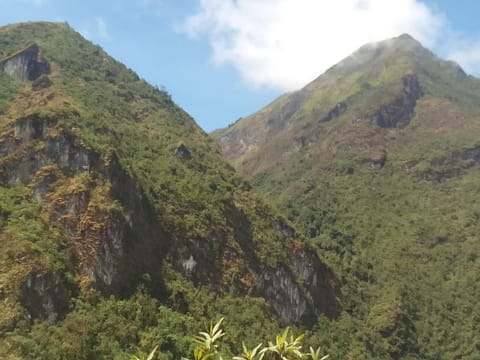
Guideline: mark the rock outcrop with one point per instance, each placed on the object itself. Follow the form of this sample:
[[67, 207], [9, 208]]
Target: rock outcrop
[[270, 121], [137, 203], [335, 112], [399, 111], [182, 152], [297, 303], [113, 225], [98, 204], [299, 289], [446, 167], [44, 297], [25, 65]]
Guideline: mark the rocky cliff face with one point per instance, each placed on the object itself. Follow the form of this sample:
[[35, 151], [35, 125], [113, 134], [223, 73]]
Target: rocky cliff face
[[265, 124], [91, 196], [400, 110], [290, 301], [280, 284], [25, 65], [113, 227], [44, 297], [124, 219]]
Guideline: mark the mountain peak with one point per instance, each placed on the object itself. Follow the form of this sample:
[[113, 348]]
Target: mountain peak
[[406, 36], [404, 41], [375, 161], [399, 41], [369, 54], [403, 38], [381, 82]]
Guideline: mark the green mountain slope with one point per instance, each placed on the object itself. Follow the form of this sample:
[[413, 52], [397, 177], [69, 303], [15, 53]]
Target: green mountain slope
[[377, 162], [120, 224]]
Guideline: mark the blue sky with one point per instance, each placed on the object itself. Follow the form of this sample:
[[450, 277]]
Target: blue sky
[[225, 59]]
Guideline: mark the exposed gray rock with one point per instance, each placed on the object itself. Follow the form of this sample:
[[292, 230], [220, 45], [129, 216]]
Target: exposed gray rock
[[31, 127], [283, 293], [300, 288], [117, 245], [284, 229], [302, 292], [182, 152], [105, 270], [318, 281], [379, 159], [38, 152], [41, 82], [62, 150], [399, 111], [189, 264], [44, 297], [238, 140], [277, 119], [446, 167], [335, 112], [25, 65]]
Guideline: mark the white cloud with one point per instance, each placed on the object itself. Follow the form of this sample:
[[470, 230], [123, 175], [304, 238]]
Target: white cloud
[[284, 44], [464, 52]]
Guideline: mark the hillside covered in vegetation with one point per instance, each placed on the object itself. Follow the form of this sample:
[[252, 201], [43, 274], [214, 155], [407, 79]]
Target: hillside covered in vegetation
[[377, 162], [121, 226]]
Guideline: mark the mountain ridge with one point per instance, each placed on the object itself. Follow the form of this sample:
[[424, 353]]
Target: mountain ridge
[[375, 162], [293, 107], [112, 190]]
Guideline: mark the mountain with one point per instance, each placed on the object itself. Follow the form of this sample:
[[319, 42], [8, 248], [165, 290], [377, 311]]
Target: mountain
[[120, 223], [377, 162]]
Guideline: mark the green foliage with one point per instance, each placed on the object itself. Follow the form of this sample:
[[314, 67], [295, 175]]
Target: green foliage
[[391, 210], [99, 328], [29, 242], [207, 346], [200, 202], [254, 354], [8, 90], [284, 348], [114, 111], [148, 357], [315, 354], [397, 244]]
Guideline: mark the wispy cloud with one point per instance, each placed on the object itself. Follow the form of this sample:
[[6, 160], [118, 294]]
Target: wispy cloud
[[284, 44], [101, 28], [465, 51], [39, 3], [95, 29], [144, 4]]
